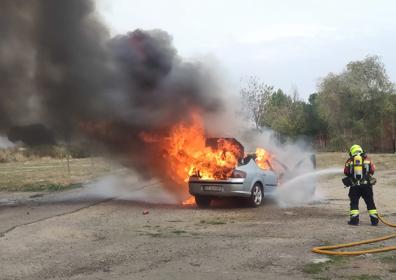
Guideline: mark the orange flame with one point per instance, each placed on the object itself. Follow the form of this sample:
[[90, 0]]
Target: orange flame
[[263, 158], [186, 153], [189, 201]]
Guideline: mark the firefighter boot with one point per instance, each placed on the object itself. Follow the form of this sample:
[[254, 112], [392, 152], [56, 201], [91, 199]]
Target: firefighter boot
[[373, 217], [354, 218], [354, 221], [374, 220]]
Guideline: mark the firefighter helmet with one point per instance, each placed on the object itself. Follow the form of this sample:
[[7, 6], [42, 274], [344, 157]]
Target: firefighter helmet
[[355, 149]]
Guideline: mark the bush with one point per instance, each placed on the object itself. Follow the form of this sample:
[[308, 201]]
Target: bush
[[12, 155]]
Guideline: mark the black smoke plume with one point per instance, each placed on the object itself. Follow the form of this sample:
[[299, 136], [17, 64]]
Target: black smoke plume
[[60, 68]]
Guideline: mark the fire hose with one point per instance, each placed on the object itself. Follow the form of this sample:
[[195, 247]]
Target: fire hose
[[328, 250]]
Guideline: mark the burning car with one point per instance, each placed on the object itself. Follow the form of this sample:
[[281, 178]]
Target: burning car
[[252, 178], [208, 167]]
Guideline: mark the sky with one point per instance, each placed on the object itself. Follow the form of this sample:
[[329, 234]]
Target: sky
[[288, 44]]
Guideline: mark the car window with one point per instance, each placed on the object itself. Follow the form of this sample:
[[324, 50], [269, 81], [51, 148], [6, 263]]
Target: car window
[[247, 159]]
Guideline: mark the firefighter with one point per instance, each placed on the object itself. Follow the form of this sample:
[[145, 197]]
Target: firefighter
[[359, 170]]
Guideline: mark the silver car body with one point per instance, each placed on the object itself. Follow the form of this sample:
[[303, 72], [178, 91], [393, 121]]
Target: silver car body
[[236, 187]]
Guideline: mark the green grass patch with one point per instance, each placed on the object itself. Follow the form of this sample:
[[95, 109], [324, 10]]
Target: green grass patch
[[316, 268], [48, 187], [162, 232], [179, 231], [337, 260], [154, 234], [388, 258], [365, 277], [213, 222]]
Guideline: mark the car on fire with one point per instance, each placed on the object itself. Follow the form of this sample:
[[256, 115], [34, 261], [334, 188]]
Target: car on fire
[[247, 181]]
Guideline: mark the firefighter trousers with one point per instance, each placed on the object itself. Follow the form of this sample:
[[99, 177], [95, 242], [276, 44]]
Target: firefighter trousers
[[365, 191]]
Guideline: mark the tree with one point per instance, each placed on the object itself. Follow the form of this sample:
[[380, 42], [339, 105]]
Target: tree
[[354, 104], [357, 105], [316, 127], [255, 96], [286, 115]]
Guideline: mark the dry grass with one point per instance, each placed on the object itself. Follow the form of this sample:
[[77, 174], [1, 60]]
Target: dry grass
[[382, 161], [23, 153], [21, 171], [50, 174], [12, 155]]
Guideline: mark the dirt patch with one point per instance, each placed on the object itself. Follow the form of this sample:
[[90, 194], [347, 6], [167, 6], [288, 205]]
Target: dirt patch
[[114, 240]]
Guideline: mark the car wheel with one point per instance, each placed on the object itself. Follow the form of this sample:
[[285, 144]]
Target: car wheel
[[202, 201], [256, 198]]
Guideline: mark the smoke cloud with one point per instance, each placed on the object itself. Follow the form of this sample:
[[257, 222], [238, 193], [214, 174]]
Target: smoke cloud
[[59, 67]]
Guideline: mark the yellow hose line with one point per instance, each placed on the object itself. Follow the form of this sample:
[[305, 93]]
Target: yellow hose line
[[327, 250], [385, 222]]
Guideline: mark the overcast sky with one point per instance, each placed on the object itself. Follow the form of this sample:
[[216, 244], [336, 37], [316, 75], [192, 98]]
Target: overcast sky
[[289, 44]]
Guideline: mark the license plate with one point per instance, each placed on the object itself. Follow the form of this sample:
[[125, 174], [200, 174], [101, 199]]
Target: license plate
[[212, 188]]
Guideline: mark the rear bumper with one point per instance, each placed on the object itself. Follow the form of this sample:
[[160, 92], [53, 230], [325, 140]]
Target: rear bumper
[[229, 188]]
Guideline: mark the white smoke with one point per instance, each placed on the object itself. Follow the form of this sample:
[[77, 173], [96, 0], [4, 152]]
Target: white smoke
[[122, 187], [5, 143], [130, 188], [292, 159]]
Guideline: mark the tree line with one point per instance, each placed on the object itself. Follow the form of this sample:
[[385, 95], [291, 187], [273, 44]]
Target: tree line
[[357, 105]]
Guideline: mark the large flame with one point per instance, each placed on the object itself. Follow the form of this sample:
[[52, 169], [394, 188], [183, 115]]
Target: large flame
[[187, 154]]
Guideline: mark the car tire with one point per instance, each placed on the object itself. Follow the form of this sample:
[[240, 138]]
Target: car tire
[[257, 196], [202, 201]]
